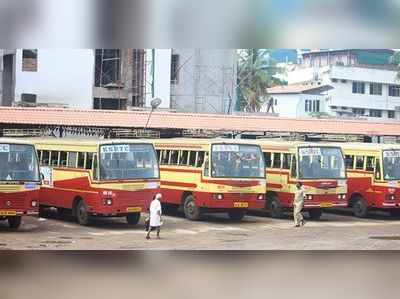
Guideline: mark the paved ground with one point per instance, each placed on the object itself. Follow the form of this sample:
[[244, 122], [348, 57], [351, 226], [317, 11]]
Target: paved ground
[[337, 230]]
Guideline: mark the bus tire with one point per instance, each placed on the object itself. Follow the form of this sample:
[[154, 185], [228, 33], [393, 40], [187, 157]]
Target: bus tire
[[395, 213], [82, 213], [14, 222], [315, 214], [236, 215], [360, 208], [192, 212], [275, 207], [133, 218]]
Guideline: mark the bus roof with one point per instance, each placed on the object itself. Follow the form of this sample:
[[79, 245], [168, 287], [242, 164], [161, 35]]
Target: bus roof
[[285, 144], [368, 146], [85, 142], [15, 141], [202, 141]]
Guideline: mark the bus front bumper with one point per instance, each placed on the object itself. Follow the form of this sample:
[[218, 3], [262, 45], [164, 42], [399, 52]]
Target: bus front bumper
[[325, 201], [231, 200]]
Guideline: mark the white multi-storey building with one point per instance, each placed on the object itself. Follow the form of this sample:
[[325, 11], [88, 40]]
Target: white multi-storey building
[[363, 83]]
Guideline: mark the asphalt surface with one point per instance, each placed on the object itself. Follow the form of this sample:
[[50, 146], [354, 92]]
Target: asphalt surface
[[257, 231]]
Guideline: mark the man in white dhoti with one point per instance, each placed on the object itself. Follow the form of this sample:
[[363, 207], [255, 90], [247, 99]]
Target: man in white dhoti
[[155, 216]]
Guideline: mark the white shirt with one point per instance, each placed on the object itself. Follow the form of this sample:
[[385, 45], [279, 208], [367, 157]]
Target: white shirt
[[155, 207]]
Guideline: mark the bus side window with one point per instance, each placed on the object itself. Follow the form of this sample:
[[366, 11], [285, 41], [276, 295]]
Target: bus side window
[[206, 166], [54, 155], [293, 172], [72, 159], [174, 157], [158, 152], [277, 160], [81, 160], [89, 161], [94, 167], [349, 162], [370, 164], [183, 160], [286, 161], [45, 158], [63, 159], [268, 160], [377, 169], [200, 159], [360, 162], [164, 157], [39, 153], [192, 158]]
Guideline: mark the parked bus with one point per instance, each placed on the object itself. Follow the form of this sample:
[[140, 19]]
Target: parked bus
[[211, 175], [98, 178], [19, 181], [373, 172], [319, 167]]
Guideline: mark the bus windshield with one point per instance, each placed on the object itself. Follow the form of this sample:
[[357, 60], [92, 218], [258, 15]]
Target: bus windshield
[[128, 161], [237, 161], [18, 162], [321, 163], [391, 165]]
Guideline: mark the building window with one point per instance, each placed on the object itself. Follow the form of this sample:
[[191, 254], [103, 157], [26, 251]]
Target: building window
[[109, 104], [359, 111], [312, 106], [29, 60], [174, 69], [390, 114], [107, 67], [358, 87], [343, 81], [375, 89], [375, 113], [394, 90], [28, 98], [334, 80]]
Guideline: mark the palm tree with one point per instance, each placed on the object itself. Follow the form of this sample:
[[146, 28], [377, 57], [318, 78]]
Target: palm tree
[[255, 75]]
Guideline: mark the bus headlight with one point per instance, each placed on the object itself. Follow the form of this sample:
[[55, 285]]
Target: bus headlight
[[341, 196], [218, 196], [309, 197], [260, 197], [34, 203], [108, 201]]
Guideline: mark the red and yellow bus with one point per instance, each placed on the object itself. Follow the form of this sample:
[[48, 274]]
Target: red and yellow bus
[[319, 167], [211, 175], [98, 178], [373, 172], [19, 181]]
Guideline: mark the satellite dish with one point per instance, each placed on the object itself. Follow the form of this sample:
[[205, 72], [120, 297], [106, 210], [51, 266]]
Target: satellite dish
[[155, 103]]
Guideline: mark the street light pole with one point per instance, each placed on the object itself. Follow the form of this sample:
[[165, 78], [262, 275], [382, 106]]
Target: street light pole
[[154, 105]]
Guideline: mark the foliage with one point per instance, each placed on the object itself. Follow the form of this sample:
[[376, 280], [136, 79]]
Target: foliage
[[255, 75]]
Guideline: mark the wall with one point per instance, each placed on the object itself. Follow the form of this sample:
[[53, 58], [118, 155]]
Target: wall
[[162, 76], [207, 78], [64, 76]]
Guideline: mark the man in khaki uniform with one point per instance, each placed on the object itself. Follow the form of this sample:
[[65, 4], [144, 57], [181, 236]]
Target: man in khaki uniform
[[298, 204]]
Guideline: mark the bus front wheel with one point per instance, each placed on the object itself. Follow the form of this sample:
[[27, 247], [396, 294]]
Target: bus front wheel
[[315, 214], [133, 218], [14, 222], [360, 208], [236, 215], [82, 213], [275, 207], [192, 212]]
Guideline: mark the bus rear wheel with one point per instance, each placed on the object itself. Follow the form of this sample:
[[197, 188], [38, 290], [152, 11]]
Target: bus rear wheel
[[14, 222], [315, 214], [192, 212], [82, 213], [133, 218], [236, 215], [360, 208], [275, 207]]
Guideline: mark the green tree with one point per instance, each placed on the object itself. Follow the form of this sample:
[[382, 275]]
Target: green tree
[[255, 75]]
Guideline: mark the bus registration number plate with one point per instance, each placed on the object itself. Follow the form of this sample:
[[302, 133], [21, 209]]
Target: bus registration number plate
[[241, 204], [8, 213], [134, 209], [326, 205]]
